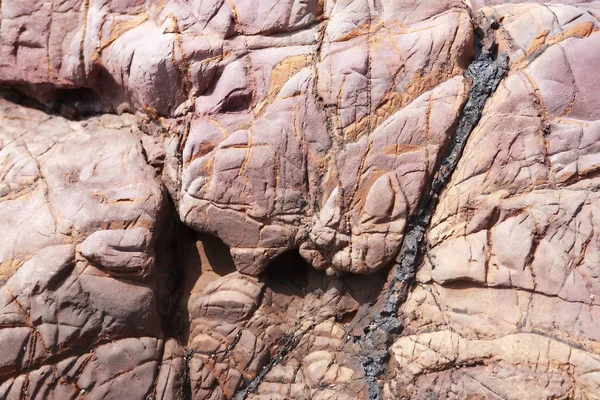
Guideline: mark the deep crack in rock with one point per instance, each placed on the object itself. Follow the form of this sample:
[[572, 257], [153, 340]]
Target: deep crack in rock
[[486, 71], [289, 343], [186, 383]]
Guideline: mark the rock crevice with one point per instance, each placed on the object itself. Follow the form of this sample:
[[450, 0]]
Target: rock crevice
[[313, 200], [485, 72]]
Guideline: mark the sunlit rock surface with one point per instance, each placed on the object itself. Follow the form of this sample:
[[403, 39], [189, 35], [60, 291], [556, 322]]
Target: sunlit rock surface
[[203, 199]]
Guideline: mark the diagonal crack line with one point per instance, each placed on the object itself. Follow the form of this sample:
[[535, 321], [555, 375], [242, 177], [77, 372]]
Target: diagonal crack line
[[186, 384], [486, 72], [289, 344]]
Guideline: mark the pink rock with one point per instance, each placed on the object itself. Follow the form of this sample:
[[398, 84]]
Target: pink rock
[[302, 142]]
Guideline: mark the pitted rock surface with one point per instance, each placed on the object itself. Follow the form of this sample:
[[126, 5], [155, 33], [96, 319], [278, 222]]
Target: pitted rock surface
[[207, 199]]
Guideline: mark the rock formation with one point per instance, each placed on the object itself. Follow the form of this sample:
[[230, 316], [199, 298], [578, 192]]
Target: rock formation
[[313, 199]]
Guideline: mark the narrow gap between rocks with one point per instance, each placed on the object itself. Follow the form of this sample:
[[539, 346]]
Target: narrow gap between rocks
[[76, 103], [73, 104], [191, 261], [198, 260]]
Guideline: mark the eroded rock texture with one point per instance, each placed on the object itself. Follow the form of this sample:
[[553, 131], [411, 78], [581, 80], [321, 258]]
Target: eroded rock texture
[[228, 199], [81, 212], [510, 282]]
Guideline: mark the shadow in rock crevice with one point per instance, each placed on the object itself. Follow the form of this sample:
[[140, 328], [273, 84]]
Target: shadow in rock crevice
[[98, 94], [75, 104], [289, 274], [200, 259]]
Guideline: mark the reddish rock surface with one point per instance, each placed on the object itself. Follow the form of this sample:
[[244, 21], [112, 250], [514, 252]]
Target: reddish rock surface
[[511, 273], [233, 199]]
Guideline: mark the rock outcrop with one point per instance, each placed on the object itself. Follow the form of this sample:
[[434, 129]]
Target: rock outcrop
[[234, 199], [511, 267]]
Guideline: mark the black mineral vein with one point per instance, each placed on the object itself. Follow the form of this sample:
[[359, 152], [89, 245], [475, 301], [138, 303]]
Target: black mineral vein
[[486, 71]]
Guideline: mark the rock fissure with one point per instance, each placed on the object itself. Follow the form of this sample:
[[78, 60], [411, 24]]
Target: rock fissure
[[290, 341], [486, 71], [186, 383]]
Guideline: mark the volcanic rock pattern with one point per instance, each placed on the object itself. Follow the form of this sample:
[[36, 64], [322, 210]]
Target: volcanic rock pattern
[[209, 199]]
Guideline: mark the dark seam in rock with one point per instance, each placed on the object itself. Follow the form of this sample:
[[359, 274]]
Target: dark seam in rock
[[229, 348], [86, 11], [313, 206], [486, 72], [186, 384], [290, 342]]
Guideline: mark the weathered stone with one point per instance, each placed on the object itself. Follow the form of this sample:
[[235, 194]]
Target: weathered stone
[[309, 145]]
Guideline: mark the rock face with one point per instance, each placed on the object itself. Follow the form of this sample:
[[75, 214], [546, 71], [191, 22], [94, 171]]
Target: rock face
[[512, 249], [217, 199], [80, 208]]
